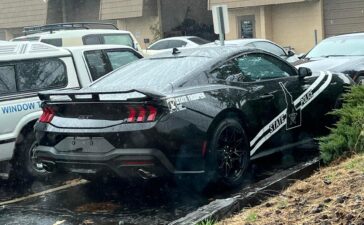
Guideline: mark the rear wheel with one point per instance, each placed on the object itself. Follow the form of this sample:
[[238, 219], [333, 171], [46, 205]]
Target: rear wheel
[[24, 164], [230, 152]]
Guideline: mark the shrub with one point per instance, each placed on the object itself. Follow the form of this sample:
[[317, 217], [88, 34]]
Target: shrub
[[347, 136]]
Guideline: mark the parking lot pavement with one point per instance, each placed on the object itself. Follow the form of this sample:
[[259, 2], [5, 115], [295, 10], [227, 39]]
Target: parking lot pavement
[[116, 202]]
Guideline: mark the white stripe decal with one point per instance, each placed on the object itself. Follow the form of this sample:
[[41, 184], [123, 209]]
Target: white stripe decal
[[283, 114]]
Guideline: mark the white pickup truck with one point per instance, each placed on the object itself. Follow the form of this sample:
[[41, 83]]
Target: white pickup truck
[[29, 67]]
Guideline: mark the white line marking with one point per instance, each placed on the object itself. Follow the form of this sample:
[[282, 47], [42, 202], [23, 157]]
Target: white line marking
[[63, 187]]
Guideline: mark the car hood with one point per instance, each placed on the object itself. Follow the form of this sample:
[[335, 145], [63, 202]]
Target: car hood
[[334, 64]]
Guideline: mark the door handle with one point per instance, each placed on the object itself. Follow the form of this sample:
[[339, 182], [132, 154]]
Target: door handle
[[266, 96]]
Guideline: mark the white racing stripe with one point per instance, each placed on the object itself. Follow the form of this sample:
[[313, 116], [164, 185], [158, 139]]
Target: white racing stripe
[[263, 139]]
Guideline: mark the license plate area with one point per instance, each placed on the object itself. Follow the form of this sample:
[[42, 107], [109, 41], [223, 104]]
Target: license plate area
[[84, 145]]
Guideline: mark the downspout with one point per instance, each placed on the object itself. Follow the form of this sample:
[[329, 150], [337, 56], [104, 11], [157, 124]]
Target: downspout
[[64, 12], [159, 8]]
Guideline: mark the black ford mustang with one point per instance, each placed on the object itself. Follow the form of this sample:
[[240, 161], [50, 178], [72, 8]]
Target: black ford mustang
[[208, 110]]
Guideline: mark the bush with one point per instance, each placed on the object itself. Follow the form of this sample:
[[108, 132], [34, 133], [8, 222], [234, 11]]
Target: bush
[[347, 136]]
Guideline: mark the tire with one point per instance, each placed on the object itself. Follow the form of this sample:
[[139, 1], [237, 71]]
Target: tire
[[24, 166], [229, 153]]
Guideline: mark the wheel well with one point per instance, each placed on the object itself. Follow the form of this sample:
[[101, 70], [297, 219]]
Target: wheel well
[[27, 128], [229, 113]]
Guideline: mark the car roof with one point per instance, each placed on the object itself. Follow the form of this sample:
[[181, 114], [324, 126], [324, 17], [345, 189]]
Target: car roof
[[244, 41], [27, 50], [217, 52], [178, 38], [348, 35], [96, 47], [74, 33]]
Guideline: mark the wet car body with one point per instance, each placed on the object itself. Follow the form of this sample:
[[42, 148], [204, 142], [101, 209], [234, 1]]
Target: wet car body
[[167, 124], [338, 61]]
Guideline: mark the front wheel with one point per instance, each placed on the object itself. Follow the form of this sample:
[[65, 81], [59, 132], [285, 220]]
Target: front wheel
[[230, 152]]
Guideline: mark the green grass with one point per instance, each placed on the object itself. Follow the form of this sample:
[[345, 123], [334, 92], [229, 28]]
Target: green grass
[[355, 164], [207, 222], [251, 217]]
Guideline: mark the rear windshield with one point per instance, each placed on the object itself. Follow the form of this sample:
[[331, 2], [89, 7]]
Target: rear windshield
[[152, 73], [198, 40]]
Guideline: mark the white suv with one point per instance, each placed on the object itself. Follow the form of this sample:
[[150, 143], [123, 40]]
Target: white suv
[[77, 34], [29, 67]]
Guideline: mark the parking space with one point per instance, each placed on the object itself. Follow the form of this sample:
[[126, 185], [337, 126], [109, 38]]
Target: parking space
[[69, 200]]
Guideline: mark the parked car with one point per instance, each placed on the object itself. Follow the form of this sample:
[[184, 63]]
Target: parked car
[[29, 67], [343, 53], [263, 44], [78, 34], [206, 111], [167, 44]]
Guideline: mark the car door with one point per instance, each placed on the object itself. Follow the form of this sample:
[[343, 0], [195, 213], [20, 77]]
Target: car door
[[272, 86]]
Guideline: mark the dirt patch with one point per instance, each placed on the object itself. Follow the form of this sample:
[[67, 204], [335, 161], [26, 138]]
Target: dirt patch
[[333, 195]]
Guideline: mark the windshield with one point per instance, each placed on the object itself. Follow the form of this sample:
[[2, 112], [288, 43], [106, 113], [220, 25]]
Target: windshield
[[348, 46], [151, 73]]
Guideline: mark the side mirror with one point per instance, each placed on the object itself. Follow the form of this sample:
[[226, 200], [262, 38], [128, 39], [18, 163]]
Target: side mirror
[[290, 53], [304, 72]]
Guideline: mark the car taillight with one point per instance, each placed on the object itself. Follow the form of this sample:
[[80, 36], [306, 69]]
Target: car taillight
[[142, 114], [47, 116]]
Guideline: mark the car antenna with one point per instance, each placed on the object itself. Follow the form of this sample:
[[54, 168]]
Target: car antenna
[[176, 51]]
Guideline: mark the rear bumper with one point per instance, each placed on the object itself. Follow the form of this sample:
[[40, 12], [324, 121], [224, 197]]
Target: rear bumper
[[124, 163]]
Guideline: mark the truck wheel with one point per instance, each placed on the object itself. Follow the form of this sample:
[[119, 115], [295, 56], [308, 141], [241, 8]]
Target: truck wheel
[[230, 152], [24, 164]]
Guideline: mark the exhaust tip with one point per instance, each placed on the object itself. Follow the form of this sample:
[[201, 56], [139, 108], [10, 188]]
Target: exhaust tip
[[146, 175]]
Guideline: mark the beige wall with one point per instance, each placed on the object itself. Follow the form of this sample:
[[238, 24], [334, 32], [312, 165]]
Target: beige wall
[[290, 24], [234, 20], [294, 24], [116, 9], [20, 13], [141, 26]]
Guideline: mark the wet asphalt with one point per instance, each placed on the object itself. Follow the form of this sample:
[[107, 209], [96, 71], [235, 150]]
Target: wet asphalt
[[122, 202]]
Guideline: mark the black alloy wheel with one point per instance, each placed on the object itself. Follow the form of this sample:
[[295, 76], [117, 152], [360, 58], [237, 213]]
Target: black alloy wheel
[[231, 151]]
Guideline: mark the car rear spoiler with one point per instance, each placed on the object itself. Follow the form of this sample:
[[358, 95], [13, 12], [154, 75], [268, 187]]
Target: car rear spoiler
[[79, 96]]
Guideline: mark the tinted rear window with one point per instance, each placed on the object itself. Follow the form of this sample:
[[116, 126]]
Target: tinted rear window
[[56, 42], [118, 39], [199, 41], [152, 73]]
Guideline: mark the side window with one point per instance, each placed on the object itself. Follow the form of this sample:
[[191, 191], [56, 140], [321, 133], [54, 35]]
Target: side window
[[56, 42], [229, 71], [269, 47], [97, 64], [41, 74], [118, 39], [7, 79], [176, 44], [262, 66], [160, 45], [120, 58], [91, 40]]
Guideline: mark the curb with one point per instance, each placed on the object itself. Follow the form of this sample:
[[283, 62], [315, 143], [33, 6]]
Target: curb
[[251, 195]]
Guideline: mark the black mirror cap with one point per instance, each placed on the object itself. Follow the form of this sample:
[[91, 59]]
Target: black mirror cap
[[290, 53], [304, 72]]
